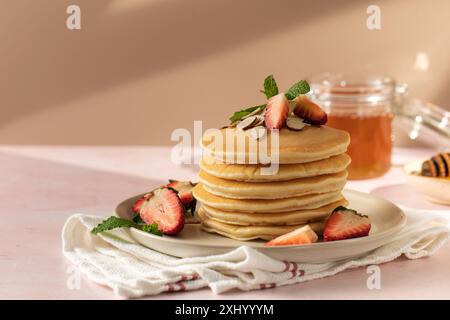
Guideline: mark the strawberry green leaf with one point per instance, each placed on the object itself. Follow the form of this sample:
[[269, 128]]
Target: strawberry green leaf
[[340, 208], [190, 208], [173, 189], [137, 218]]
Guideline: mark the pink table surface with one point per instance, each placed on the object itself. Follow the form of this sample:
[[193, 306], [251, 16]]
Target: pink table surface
[[42, 186]]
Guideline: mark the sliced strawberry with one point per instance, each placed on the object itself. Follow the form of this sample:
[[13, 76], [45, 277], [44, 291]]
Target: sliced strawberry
[[165, 209], [302, 235], [345, 224], [277, 110], [139, 202], [184, 190], [309, 111]]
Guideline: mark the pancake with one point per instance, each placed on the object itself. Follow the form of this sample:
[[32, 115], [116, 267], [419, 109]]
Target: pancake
[[252, 173], [279, 218], [245, 233], [272, 190], [311, 201], [310, 144]]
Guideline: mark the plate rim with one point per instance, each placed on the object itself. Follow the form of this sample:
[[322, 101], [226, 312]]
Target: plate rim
[[260, 244]]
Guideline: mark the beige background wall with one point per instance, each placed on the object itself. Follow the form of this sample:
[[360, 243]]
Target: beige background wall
[[140, 68]]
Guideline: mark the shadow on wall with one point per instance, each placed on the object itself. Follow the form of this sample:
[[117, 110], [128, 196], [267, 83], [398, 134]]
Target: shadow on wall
[[44, 64]]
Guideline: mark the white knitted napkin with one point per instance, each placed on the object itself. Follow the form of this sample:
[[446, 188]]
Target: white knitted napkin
[[131, 270]]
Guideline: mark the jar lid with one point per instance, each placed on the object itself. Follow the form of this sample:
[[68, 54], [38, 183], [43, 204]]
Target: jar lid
[[352, 88]]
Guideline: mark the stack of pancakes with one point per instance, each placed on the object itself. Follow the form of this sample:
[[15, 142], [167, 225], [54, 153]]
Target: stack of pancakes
[[239, 202]]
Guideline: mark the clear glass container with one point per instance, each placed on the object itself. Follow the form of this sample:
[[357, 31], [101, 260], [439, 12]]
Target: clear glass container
[[422, 124], [363, 106]]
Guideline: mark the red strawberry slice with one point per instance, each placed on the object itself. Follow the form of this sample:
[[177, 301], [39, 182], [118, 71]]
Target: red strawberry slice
[[184, 189], [302, 235], [139, 202], [276, 113], [309, 111], [345, 224], [165, 209]]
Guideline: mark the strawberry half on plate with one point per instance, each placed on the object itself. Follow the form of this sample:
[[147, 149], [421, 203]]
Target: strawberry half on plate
[[302, 235], [184, 191], [164, 208], [346, 224], [139, 203]]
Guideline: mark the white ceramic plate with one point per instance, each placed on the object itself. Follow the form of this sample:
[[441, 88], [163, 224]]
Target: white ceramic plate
[[434, 189], [387, 220]]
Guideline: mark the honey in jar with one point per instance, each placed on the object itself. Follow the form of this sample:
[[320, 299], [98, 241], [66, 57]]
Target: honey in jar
[[360, 105]]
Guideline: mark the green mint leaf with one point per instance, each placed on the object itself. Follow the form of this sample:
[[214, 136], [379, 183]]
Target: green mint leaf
[[301, 87], [151, 228], [113, 223], [270, 87], [238, 115]]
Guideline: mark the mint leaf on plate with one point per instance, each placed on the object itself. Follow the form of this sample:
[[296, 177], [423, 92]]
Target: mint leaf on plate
[[112, 223], [270, 87], [301, 87], [238, 115], [116, 222], [151, 228]]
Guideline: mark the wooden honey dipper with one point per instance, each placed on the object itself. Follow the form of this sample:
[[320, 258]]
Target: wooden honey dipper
[[437, 166]]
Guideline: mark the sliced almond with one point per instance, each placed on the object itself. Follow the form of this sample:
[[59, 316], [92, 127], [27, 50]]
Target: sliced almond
[[253, 113], [257, 133], [231, 125], [295, 123], [259, 120], [246, 123]]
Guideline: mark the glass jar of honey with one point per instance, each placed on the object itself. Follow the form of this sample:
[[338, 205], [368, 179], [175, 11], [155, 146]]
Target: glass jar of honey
[[362, 106]]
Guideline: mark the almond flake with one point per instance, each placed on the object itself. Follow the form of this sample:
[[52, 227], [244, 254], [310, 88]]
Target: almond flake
[[246, 123], [257, 133], [259, 120], [295, 123]]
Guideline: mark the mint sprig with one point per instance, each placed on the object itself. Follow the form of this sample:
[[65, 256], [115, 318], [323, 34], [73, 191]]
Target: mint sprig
[[270, 87], [301, 87], [115, 222], [151, 228], [238, 115], [270, 90]]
